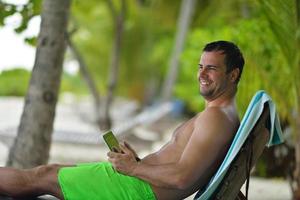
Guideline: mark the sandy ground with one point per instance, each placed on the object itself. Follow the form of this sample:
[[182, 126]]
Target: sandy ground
[[266, 189], [142, 138]]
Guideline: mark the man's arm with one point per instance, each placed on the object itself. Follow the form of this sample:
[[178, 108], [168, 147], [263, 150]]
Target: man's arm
[[211, 133]]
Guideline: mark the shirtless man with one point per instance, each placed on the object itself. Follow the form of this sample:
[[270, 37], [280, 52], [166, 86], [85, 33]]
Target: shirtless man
[[178, 169]]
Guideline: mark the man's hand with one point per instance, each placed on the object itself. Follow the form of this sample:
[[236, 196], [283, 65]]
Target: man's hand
[[124, 162]]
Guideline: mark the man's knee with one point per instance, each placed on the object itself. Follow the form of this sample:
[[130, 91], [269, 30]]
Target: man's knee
[[46, 178], [46, 170], [46, 174]]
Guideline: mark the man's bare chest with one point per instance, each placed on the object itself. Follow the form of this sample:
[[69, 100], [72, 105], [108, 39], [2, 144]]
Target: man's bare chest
[[184, 132], [173, 150]]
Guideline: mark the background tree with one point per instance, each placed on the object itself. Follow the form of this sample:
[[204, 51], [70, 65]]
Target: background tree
[[184, 21], [118, 20], [86, 75], [31, 146]]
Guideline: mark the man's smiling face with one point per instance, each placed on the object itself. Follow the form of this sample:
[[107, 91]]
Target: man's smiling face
[[212, 75]]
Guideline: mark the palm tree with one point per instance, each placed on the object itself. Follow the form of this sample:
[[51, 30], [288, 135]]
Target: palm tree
[[284, 21]]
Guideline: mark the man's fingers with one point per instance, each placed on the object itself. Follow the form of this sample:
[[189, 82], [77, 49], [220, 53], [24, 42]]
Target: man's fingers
[[112, 154], [109, 154], [128, 146], [117, 150], [125, 149]]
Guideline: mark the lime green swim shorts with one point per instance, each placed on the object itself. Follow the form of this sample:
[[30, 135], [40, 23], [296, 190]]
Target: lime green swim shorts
[[99, 181]]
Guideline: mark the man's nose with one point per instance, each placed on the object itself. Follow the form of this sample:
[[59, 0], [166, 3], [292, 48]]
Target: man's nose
[[202, 72]]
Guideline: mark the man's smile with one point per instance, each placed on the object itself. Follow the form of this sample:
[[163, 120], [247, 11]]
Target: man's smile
[[204, 82]]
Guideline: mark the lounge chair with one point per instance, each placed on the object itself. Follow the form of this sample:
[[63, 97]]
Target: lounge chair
[[259, 128]]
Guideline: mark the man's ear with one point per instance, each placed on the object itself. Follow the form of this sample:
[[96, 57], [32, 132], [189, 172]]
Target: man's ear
[[234, 74]]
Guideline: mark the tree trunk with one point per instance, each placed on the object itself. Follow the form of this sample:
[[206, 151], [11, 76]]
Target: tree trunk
[[185, 17], [114, 63], [87, 77], [32, 144]]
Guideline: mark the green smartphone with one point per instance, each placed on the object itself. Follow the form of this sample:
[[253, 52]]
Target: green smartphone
[[111, 141]]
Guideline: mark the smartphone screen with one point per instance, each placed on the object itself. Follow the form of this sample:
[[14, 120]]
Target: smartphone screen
[[111, 141]]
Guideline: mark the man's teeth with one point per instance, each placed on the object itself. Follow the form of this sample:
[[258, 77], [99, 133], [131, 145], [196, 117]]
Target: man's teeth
[[204, 82]]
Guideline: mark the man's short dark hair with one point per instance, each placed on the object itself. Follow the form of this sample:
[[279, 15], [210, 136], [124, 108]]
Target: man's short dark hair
[[233, 56]]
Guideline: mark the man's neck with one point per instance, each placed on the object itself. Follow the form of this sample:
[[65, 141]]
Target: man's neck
[[223, 100]]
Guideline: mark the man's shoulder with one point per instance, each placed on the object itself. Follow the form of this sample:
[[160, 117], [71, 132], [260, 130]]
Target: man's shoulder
[[213, 114], [214, 121]]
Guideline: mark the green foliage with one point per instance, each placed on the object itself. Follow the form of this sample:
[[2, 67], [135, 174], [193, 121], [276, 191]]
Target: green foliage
[[149, 35], [31, 40], [26, 11], [283, 18], [93, 36], [14, 82], [6, 10], [145, 46], [283, 24]]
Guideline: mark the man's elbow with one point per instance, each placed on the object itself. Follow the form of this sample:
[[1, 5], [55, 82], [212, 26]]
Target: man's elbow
[[182, 183]]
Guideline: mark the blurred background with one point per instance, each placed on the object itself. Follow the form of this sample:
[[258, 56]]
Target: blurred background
[[131, 66]]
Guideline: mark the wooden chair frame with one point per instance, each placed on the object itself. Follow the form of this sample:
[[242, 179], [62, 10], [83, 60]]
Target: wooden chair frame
[[247, 157]]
